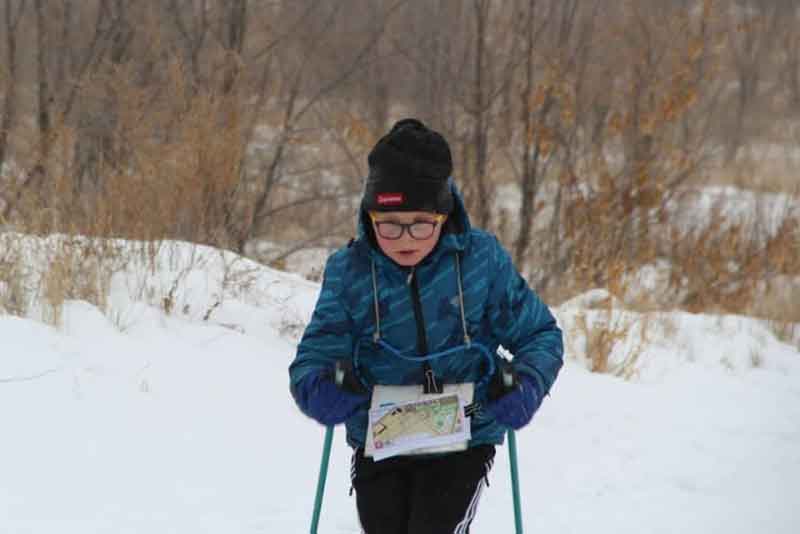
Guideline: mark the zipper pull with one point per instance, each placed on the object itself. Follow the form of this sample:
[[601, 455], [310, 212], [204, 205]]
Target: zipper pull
[[410, 277]]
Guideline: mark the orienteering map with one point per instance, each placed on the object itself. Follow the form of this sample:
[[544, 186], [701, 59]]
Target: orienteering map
[[429, 422]]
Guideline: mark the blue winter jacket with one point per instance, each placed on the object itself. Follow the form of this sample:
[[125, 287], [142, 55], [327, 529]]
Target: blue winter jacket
[[500, 309]]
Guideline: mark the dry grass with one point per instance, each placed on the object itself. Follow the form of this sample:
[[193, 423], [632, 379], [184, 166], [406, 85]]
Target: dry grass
[[179, 176], [168, 170], [40, 275], [724, 266], [13, 298], [615, 337], [766, 170], [610, 333]]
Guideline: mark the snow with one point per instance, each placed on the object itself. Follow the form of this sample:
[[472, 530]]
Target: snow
[[760, 212], [307, 262], [691, 209], [127, 418]]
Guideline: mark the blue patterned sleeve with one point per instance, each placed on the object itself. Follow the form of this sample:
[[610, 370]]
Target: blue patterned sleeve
[[328, 337], [523, 323]]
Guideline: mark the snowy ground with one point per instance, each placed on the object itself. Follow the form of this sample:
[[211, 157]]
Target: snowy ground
[[132, 420]]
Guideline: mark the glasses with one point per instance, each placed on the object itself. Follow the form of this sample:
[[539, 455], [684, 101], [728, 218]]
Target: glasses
[[419, 230]]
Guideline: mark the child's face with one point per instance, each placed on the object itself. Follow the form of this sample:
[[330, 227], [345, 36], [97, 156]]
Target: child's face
[[407, 249]]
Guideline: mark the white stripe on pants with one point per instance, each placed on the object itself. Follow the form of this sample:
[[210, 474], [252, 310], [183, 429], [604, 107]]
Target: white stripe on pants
[[462, 527]]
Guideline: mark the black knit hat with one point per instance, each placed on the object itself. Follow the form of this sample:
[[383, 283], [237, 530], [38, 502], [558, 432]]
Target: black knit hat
[[409, 170]]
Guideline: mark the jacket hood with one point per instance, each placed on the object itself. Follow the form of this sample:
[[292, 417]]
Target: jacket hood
[[455, 233]]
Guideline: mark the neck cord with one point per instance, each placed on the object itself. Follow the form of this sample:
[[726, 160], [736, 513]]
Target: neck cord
[[468, 343]]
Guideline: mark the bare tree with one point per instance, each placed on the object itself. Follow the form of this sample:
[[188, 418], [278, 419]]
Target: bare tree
[[191, 20], [621, 146], [477, 154], [239, 121], [297, 104], [789, 53], [232, 37], [44, 98], [12, 14], [482, 80], [753, 25], [97, 149], [545, 101], [376, 79]]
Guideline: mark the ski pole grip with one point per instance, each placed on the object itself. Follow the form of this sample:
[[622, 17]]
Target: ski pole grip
[[508, 378], [504, 380], [344, 376], [339, 373]]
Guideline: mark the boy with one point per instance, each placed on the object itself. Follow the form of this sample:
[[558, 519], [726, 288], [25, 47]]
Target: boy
[[417, 282]]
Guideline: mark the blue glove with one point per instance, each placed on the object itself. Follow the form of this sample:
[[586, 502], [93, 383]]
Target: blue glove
[[516, 408], [322, 400]]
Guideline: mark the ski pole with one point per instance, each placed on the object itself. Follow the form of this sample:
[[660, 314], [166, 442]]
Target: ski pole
[[323, 474], [512, 456], [508, 383], [341, 369]]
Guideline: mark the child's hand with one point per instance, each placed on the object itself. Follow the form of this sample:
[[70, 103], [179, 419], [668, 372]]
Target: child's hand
[[516, 408], [324, 401]]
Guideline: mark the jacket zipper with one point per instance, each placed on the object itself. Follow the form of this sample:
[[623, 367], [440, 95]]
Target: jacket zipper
[[422, 338], [431, 385]]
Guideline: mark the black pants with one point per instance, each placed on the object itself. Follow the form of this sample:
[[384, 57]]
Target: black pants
[[419, 494]]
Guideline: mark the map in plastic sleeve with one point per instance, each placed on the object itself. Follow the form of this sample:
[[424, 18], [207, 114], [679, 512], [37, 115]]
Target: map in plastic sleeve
[[405, 427]]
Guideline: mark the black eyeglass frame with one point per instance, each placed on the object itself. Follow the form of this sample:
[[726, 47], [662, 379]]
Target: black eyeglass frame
[[407, 227]]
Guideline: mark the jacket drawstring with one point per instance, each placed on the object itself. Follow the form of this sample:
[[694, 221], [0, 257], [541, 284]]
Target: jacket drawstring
[[377, 335], [467, 340]]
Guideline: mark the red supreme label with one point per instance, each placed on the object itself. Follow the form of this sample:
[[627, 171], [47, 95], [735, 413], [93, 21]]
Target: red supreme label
[[391, 199]]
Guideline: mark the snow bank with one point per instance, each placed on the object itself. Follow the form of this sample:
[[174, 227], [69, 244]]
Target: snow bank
[[141, 418], [649, 347]]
